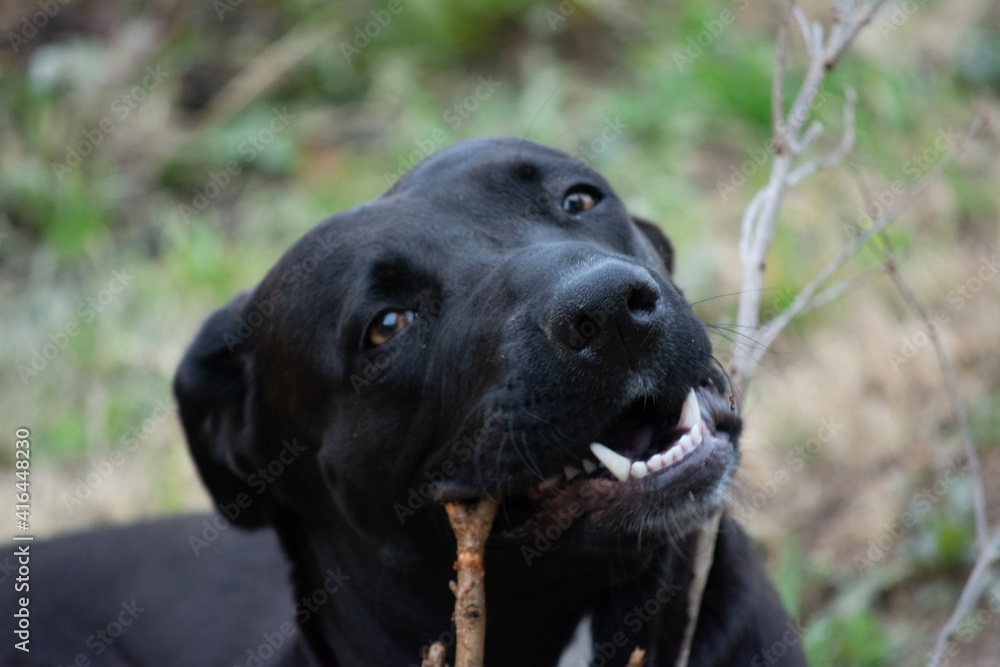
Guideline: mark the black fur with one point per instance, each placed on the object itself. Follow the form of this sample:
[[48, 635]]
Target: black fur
[[539, 331]]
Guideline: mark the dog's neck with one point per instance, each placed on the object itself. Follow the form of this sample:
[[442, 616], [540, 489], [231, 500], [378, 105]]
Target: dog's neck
[[359, 603]]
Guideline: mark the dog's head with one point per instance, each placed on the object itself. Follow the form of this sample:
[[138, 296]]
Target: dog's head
[[495, 324]]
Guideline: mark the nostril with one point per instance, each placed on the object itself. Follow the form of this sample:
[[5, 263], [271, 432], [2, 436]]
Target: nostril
[[642, 298]]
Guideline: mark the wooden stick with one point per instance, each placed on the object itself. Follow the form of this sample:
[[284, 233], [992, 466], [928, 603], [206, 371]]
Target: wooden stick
[[637, 659], [434, 655], [471, 524]]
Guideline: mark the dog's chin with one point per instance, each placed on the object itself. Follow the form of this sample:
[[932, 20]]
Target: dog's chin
[[606, 501]]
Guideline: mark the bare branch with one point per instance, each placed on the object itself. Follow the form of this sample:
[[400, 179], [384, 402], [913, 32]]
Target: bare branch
[[777, 85], [770, 331], [951, 384], [807, 35], [838, 154], [844, 287], [845, 37], [702, 566], [761, 216], [811, 134], [971, 592]]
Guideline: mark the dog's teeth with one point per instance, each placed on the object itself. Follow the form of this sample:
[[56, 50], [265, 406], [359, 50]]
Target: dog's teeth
[[685, 444], [639, 470], [691, 412], [697, 433], [618, 465], [655, 462], [589, 466], [571, 472]]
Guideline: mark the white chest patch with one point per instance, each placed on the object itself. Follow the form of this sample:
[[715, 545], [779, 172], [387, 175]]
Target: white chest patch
[[579, 652]]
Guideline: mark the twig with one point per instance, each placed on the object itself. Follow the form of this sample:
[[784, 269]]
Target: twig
[[988, 552], [760, 218], [434, 656], [777, 85], [702, 566], [951, 384], [771, 330], [637, 659], [837, 155], [837, 290], [471, 524], [974, 587]]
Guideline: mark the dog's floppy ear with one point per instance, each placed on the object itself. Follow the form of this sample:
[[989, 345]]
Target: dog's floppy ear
[[659, 240], [215, 393]]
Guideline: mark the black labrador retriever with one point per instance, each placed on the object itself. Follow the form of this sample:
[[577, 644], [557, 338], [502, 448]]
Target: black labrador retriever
[[495, 324]]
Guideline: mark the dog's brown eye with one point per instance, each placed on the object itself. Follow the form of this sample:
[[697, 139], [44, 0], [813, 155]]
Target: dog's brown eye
[[388, 324], [578, 201]]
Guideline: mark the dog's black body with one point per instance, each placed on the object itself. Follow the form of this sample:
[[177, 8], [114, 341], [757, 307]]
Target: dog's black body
[[541, 318]]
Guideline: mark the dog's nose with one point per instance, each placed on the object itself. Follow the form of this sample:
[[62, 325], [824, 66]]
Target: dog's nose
[[610, 310]]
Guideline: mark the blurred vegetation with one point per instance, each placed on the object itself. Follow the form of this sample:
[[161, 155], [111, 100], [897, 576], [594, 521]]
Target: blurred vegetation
[[138, 138]]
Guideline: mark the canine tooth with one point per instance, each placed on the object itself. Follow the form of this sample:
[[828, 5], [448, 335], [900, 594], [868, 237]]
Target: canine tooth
[[571, 472], [655, 462], [589, 466], [639, 469], [618, 465], [691, 412]]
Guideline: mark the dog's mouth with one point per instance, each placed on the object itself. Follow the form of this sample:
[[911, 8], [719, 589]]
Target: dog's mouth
[[655, 466]]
